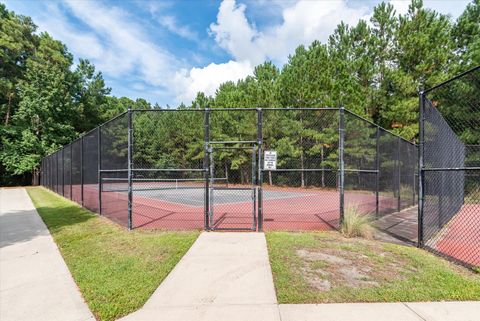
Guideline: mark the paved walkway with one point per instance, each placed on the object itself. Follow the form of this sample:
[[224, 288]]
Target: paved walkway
[[224, 276], [415, 311], [400, 227], [35, 283]]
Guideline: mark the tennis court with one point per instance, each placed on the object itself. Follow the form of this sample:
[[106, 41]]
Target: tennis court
[[141, 172], [181, 205]]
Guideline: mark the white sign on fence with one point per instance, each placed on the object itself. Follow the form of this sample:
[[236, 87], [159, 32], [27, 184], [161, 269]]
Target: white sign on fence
[[270, 160]]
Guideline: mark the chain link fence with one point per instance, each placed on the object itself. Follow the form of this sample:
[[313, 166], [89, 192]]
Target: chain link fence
[[450, 168], [238, 169], [301, 193]]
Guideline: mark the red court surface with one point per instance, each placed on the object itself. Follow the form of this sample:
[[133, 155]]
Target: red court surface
[[460, 238], [290, 209]]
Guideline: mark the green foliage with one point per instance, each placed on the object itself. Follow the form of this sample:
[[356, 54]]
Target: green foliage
[[373, 69], [466, 35]]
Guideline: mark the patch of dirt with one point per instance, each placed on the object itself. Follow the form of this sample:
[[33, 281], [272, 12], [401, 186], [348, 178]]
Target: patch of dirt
[[315, 256], [351, 263]]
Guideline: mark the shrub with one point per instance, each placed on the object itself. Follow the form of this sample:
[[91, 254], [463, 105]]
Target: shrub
[[356, 223], [406, 192]]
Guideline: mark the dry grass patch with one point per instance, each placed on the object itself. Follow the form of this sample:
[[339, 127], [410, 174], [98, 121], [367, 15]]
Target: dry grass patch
[[331, 267], [317, 267]]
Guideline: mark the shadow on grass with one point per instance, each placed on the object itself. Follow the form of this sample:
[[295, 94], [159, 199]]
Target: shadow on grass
[[62, 215]]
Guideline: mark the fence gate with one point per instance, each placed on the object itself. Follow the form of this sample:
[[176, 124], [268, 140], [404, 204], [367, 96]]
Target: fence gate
[[232, 200]]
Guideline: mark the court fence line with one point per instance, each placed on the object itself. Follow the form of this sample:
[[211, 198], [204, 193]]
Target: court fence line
[[337, 150], [449, 169]]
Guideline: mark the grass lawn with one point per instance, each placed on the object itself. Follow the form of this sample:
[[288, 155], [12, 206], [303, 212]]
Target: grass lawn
[[116, 270], [318, 267]]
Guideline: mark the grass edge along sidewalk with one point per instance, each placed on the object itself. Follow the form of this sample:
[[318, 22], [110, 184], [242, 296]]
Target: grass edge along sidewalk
[[325, 267], [116, 270]]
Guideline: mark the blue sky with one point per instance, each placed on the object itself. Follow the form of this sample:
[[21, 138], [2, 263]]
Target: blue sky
[[167, 51]]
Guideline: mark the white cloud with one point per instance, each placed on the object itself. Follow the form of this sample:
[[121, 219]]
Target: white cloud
[[172, 25], [235, 34], [302, 22], [121, 48], [400, 6], [209, 78], [129, 48], [452, 8], [83, 44]]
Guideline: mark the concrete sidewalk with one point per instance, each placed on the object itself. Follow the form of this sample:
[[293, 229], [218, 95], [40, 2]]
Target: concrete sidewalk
[[413, 311], [224, 276], [35, 283], [227, 276]]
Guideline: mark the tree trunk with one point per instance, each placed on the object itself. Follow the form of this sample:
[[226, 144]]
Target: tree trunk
[[9, 107], [226, 173], [302, 173], [323, 168], [35, 177]]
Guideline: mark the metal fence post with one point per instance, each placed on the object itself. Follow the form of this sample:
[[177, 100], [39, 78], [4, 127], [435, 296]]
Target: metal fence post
[[129, 160], [377, 175], [414, 187], [99, 148], [260, 168], [420, 168], [81, 169], [206, 168], [399, 201], [71, 170], [341, 180], [57, 169], [63, 172]]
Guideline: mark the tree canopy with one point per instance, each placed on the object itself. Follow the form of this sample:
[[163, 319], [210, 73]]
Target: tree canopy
[[374, 69]]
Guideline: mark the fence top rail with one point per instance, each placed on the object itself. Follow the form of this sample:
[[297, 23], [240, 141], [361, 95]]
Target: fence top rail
[[451, 79], [231, 109], [440, 169], [300, 170], [379, 127], [110, 120]]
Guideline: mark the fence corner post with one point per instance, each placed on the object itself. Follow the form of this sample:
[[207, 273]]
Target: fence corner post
[[63, 171], [81, 170], [99, 156], [399, 177], [71, 171], [206, 168], [377, 175], [129, 160], [341, 147], [260, 168], [420, 235]]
